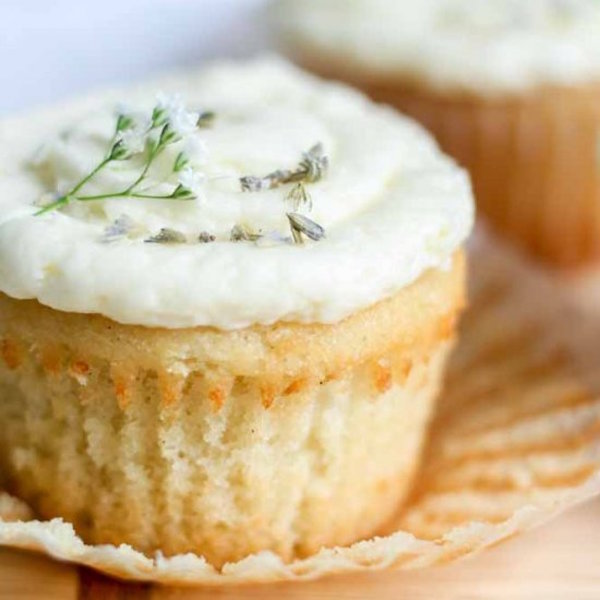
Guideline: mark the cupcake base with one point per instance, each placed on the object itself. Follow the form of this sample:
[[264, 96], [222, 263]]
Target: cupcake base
[[285, 438], [515, 441]]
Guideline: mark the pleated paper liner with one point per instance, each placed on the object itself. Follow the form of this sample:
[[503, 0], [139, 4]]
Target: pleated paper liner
[[516, 441]]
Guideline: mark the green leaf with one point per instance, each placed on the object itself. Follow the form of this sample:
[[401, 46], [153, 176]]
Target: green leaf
[[182, 193], [167, 136], [180, 162], [118, 151], [124, 122], [159, 117]]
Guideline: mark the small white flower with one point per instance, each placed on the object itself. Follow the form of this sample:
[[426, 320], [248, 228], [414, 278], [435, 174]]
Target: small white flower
[[192, 180], [134, 140], [182, 121], [195, 150], [132, 130]]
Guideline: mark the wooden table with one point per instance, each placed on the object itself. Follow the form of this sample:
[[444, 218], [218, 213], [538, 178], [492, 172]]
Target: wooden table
[[560, 561]]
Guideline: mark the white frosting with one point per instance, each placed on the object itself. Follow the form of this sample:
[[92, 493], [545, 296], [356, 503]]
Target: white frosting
[[392, 206], [485, 46]]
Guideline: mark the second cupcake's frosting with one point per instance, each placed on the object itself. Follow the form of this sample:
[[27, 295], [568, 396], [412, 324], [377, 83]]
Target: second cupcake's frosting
[[391, 205], [485, 46]]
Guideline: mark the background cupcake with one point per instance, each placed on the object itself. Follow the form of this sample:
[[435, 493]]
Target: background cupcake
[[509, 88], [222, 330]]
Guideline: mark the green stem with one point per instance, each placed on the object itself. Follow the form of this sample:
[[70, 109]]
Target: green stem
[[152, 197], [102, 196], [92, 174], [155, 152], [62, 201], [128, 194]]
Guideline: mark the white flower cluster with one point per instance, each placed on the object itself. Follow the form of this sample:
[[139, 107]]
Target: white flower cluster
[[173, 111], [170, 134], [135, 129], [133, 139]]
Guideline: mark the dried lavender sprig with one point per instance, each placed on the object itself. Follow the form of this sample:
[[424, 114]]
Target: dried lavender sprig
[[205, 238], [312, 168], [301, 225], [167, 236], [242, 233]]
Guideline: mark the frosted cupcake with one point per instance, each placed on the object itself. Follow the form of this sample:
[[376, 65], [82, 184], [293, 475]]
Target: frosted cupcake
[[224, 316], [511, 88]]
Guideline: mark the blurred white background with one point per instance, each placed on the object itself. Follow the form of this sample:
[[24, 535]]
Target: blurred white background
[[50, 49]]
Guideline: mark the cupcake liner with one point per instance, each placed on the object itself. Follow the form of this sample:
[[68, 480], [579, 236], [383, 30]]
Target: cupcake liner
[[516, 441], [265, 463], [533, 161]]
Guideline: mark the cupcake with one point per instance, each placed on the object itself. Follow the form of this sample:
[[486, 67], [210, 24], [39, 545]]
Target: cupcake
[[510, 88], [225, 310]]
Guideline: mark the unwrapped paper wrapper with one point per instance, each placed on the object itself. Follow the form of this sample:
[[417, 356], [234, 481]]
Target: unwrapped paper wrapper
[[516, 440]]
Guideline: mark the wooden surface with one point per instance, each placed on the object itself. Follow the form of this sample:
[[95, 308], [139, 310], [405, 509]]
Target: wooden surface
[[559, 561]]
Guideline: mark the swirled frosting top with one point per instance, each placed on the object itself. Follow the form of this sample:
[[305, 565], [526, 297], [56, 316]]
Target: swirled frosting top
[[276, 197]]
